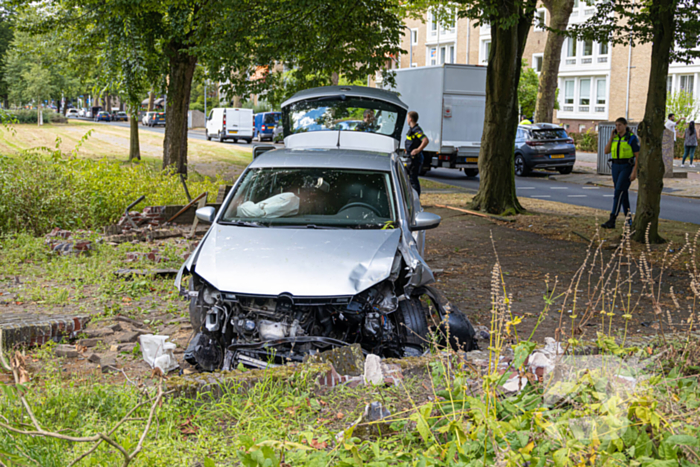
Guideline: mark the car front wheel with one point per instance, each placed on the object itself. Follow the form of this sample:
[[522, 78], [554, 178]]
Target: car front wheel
[[521, 169], [565, 170], [471, 172], [206, 133]]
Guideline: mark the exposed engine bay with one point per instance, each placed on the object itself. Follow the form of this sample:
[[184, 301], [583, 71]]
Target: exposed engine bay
[[261, 331]]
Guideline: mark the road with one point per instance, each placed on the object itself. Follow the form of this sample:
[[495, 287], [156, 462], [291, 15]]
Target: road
[[539, 186]]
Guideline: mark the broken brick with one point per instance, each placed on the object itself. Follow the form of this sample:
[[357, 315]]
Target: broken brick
[[66, 351]]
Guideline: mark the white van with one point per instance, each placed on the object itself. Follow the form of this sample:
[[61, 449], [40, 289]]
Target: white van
[[230, 123]]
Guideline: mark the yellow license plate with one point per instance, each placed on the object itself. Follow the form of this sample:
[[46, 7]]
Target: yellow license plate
[[472, 159], [233, 132], [557, 156]]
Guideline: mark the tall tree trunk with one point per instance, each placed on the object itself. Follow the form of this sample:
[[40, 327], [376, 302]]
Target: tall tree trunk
[[39, 115], [151, 100], [496, 193], [236, 101], [335, 78], [134, 146], [182, 67], [650, 166], [559, 13]]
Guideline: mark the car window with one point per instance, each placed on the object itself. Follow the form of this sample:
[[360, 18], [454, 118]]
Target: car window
[[270, 118], [329, 113], [553, 133], [340, 198], [407, 192]]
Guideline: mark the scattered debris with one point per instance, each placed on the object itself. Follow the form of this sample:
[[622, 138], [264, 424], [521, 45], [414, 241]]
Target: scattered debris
[[146, 272], [375, 411], [66, 351], [66, 242], [373, 371], [158, 353], [347, 360]]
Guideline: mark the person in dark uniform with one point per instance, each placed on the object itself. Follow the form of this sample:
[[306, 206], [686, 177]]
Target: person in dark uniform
[[416, 141], [623, 147]]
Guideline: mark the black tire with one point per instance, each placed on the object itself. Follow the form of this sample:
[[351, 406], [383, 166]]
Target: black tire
[[412, 325], [221, 139], [249, 140], [471, 172], [565, 170], [206, 132], [235, 140], [521, 168]]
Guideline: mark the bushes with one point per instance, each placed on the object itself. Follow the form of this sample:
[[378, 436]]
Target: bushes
[[41, 191], [30, 116], [587, 142]]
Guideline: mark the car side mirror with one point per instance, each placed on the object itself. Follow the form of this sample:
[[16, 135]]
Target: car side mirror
[[262, 148], [425, 221], [206, 214]]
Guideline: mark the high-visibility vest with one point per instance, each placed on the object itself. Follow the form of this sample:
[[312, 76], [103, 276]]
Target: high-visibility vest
[[621, 148]]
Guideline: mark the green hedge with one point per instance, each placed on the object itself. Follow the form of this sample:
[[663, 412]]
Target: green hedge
[[586, 142], [40, 191], [30, 116]]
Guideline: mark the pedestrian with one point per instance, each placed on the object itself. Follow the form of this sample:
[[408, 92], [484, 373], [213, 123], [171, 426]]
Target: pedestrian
[[623, 147], [416, 141], [691, 143], [671, 124]]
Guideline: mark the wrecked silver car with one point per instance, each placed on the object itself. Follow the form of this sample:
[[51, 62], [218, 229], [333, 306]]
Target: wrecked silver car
[[319, 245]]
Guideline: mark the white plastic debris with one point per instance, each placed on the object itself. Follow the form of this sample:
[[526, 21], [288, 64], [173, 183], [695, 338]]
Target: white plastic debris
[[373, 370], [515, 384], [158, 353], [552, 347]]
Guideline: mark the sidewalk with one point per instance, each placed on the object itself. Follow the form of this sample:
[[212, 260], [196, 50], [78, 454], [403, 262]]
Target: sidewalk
[[585, 174]]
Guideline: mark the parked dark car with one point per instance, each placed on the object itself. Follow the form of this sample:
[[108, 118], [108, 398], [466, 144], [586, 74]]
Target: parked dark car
[[543, 146], [158, 118], [103, 117], [264, 125], [120, 116]]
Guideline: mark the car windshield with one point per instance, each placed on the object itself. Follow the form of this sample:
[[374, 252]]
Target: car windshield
[[345, 114], [312, 198], [553, 133], [271, 118]]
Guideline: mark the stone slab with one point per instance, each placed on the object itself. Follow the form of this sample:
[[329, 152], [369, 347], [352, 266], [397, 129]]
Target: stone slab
[[27, 329]]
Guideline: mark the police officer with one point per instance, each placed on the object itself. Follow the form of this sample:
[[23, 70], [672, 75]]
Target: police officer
[[416, 141], [368, 123], [624, 150]]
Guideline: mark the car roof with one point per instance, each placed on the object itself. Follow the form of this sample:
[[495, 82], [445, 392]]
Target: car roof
[[352, 91], [542, 126], [324, 158]]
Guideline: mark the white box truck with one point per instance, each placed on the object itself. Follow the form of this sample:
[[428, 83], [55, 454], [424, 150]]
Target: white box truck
[[451, 101], [230, 123]]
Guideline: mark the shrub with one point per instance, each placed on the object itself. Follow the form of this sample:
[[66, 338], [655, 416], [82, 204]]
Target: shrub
[[30, 116], [587, 142], [40, 191]]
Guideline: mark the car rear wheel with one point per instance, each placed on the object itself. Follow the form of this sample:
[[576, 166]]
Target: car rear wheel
[[565, 170], [235, 140], [521, 169], [471, 172]]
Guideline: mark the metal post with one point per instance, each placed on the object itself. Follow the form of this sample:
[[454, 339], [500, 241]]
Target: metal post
[[205, 98]]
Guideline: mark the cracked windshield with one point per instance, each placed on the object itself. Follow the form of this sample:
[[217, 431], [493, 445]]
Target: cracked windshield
[[345, 114], [313, 197]]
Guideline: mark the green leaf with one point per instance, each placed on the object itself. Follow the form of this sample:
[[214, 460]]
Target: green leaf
[[683, 440]]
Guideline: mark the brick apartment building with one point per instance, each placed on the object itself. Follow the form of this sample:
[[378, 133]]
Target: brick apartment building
[[597, 82]]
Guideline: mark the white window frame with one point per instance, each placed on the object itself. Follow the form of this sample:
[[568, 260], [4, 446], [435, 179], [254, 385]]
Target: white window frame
[[414, 36], [598, 51], [604, 79], [544, 16], [571, 40], [590, 89], [534, 57], [686, 77], [429, 58], [583, 48], [483, 55], [432, 25], [573, 96]]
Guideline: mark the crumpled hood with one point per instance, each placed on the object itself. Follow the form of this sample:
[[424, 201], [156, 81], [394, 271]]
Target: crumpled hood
[[302, 262]]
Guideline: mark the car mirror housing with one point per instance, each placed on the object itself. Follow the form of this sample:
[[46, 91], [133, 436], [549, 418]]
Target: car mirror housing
[[262, 148], [425, 221], [206, 214]]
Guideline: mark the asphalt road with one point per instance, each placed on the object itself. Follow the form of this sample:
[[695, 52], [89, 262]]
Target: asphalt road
[[538, 186]]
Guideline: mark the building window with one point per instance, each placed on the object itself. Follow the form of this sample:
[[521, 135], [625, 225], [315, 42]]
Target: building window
[[587, 48], [452, 54], [584, 92], [485, 51], [603, 48], [537, 62], [571, 47], [432, 56], [540, 19], [414, 36], [669, 84], [442, 55], [433, 24], [600, 94], [569, 85], [685, 83]]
